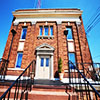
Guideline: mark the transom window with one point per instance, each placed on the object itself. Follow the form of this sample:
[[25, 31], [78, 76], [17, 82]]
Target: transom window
[[24, 31], [71, 57], [69, 36], [19, 59]]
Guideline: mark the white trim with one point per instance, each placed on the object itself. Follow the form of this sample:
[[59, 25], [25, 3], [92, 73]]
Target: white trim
[[72, 70], [24, 23], [70, 40], [16, 23], [67, 11], [57, 19], [12, 77], [42, 47], [78, 23], [65, 80], [21, 46], [33, 22], [51, 68], [45, 50], [22, 40], [76, 80], [15, 69], [59, 22], [45, 37]]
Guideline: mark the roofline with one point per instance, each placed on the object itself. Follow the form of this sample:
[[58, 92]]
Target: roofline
[[45, 12], [34, 9]]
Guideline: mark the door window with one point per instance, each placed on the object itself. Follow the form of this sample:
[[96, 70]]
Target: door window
[[42, 62], [47, 62]]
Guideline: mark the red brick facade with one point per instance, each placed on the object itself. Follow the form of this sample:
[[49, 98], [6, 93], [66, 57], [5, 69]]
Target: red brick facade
[[59, 42]]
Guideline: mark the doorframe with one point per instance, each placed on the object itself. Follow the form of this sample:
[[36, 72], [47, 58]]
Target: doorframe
[[45, 50]]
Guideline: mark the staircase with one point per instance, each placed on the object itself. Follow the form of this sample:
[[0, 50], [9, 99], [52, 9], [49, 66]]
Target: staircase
[[42, 91], [25, 87]]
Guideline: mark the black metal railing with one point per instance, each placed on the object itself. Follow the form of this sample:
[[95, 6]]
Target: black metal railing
[[3, 68], [91, 70], [20, 87], [82, 83]]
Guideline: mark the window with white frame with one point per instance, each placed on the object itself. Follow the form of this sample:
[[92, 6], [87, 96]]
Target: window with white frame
[[19, 59], [41, 31], [46, 31], [69, 36], [71, 57], [24, 31], [51, 30]]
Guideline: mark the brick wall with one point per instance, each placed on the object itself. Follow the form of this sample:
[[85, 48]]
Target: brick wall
[[59, 43]]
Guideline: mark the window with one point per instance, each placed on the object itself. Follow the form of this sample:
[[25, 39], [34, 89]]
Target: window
[[46, 31], [72, 59], [41, 30], [42, 62], [47, 62], [19, 59], [24, 31], [69, 36], [51, 30]]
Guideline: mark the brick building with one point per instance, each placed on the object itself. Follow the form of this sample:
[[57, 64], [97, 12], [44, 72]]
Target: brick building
[[41, 36], [38, 38]]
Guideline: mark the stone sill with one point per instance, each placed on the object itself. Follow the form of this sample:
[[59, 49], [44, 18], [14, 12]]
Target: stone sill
[[72, 70], [45, 37], [70, 40], [22, 40], [16, 69]]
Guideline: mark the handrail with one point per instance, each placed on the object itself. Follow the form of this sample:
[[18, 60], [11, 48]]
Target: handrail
[[3, 96], [3, 59], [3, 67], [87, 70], [86, 79]]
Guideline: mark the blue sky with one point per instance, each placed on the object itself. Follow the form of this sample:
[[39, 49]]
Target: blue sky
[[89, 7]]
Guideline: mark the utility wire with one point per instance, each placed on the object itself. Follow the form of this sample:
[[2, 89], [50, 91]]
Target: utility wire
[[93, 16], [93, 25], [95, 20]]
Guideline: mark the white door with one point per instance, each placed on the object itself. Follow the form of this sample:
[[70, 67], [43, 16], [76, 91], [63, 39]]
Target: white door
[[44, 67]]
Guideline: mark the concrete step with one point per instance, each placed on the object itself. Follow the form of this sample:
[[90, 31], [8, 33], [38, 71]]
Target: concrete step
[[51, 95], [42, 92], [48, 82]]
